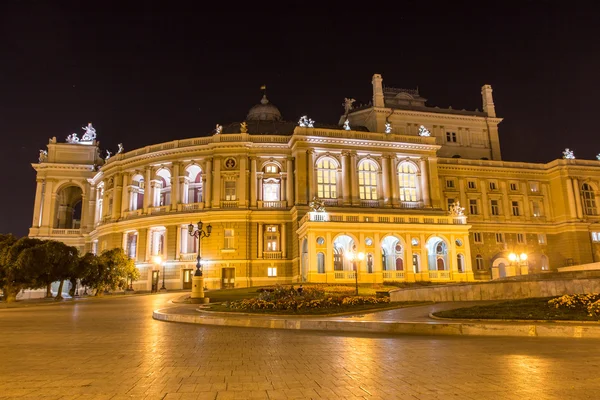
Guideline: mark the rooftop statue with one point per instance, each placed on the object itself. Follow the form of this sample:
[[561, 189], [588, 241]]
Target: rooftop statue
[[598, 157], [388, 127], [568, 154], [90, 133], [347, 125], [72, 138], [108, 153], [456, 210], [43, 156], [218, 129], [120, 148], [244, 127], [306, 122], [424, 131], [348, 105]]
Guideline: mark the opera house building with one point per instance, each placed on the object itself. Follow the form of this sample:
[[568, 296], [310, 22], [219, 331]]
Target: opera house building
[[396, 191]]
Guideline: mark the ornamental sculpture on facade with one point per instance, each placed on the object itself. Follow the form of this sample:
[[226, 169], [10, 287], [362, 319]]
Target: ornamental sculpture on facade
[[424, 131], [72, 138], [108, 153], [218, 129], [43, 156], [306, 122], [568, 154], [120, 148], [317, 205], [90, 133], [243, 127], [598, 157], [388, 127], [347, 124], [348, 105], [456, 210]]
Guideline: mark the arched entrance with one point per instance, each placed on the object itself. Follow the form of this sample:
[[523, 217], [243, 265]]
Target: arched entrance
[[392, 253], [437, 253], [67, 212], [342, 246]]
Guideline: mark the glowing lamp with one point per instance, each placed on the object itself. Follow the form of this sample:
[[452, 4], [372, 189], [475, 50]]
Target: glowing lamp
[[512, 257], [157, 260], [523, 256], [361, 256]]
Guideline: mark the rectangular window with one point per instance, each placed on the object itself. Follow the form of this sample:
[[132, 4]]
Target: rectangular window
[[493, 186], [479, 261], [450, 183], [537, 212], [272, 271], [95, 247], [495, 207], [541, 238], [595, 236], [521, 238], [473, 207], [477, 237], [451, 137], [131, 244], [472, 185], [230, 190], [534, 187], [515, 209], [499, 237], [228, 239], [513, 187]]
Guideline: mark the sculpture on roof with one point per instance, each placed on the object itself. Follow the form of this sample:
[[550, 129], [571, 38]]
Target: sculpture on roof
[[424, 131], [90, 133], [218, 129], [72, 138], [108, 153], [568, 154], [120, 148], [598, 157], [317, 205], [306, 122], [43, 156], [347, 105], [244, 127], [388, 127], [347, 124], [456, 210]]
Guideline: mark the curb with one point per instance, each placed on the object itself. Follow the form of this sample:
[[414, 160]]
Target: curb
[[520, 321], [392, 327]]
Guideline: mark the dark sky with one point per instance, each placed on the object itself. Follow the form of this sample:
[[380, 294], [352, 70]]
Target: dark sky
[[148, 72]]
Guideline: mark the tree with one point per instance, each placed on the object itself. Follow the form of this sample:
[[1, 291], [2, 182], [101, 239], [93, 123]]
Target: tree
[[16, 272], [113, 268], [86, 265], [62, 261]]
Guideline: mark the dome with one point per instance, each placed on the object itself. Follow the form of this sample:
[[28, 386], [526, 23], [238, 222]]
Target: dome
[[264, 111]]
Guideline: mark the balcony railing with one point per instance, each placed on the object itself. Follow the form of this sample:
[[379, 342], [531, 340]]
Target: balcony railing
[[159, 210], [66, 232], [369, 203], [132, 213], [344, 275], [411, 204], [188, 256], [439, 275], [387, 219], [272, 255], [229, 204], [190, 207], [272, 204], [393, 274]]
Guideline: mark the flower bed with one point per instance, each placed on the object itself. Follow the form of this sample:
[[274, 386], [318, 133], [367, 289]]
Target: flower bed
[[589, 302]]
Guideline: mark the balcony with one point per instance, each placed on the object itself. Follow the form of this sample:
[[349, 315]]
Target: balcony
[[411, 204], [190, 207], [344, 275], [439, 275], [66, 232], [159, 210], [272, 204], [313, 216], [229, 204], [272, 255], [188, 256], [369, 203], [393, 275], [132, 214]]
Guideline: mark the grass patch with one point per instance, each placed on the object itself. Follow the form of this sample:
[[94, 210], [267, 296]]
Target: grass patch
[[525, 309], [318, 311]]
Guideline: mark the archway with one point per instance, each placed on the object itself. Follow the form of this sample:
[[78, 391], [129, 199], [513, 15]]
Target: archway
[[193, 189], [136, 201], [392, 253], [67, 211], [437, 253], [163, 193], [342, 246]]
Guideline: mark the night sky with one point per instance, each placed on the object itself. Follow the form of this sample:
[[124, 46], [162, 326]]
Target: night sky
[[163, 71]]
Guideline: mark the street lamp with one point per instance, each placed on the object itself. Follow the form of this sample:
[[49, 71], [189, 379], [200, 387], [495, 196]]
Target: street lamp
[[159, 261], [352, 256], [198, 278], [519, 260]]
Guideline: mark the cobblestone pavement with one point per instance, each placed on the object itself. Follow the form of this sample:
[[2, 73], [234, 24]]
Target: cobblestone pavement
[[113, 349]]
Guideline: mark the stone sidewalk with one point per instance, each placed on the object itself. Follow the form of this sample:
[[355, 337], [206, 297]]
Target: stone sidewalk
[[408, 321]]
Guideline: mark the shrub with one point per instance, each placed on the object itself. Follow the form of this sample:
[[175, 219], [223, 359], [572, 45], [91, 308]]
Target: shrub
[[574, 301]]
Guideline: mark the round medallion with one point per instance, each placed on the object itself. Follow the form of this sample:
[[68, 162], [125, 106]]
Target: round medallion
[[230, 163]]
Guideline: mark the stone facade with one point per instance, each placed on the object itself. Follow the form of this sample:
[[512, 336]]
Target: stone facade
[[385, 185]]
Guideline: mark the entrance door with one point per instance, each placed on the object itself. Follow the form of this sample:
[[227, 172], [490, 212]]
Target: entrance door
[[187, 278], [155, 281], [227, 278]]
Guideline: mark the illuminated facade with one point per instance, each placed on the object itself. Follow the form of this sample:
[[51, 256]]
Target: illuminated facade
[[367, 199]]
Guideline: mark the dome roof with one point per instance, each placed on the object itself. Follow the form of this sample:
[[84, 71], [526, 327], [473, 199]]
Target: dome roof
[[264, 111]]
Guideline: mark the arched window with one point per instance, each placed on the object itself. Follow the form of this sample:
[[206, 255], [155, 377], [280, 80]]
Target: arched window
[[320, 263], [193, 185], [479, 262], [367, 180], [162, 192], [460, 262], [407, 177], [589, 199], [326, 179], [437, 251], [136, 199]]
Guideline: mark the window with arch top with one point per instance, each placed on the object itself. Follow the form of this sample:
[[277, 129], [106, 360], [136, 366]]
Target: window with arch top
[[589, 199], [407, 177], [326, 179], [367, 180]]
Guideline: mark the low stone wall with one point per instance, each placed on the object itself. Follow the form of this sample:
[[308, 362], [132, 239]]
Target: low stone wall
[[498, 290]]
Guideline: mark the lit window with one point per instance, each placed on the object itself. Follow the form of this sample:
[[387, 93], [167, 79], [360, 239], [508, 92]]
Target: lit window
[[534, 187], [320, 263], [407, 176], [320, 240], [95, 247], [515, 208], [228, 238], [536, 209], [157, 241], [477, 237], [326, 179], [230, 190], [495, 207], [271, 169], [272, 271], [131, 244], [499, 237], [271, 189], [367, 180], [589, 199], [595, 236], [479, 262], [541, 238], [473, 207], [520, 238]]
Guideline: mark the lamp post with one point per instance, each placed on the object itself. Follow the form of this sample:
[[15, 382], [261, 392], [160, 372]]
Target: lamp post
[[352, 256], [159, 261], [520, 261], [198, 278]]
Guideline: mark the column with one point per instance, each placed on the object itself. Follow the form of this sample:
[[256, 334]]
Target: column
[[283, 232], [577, 195], [125, 195], [47, 204], [253, 180], [91, 219], [216, 200], [260, 186], [328, 255], [84, 216], [394, 182], [184, 188], [260, 240], [301, 177], [37, 207], [425, 182], [117, 196], [207, 190], [289, 188], [175, 196], [147, 189], [354, 180], [242, 183], [282, 186], [311, 173], [385, 181], [345, 179], [571, 199]]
